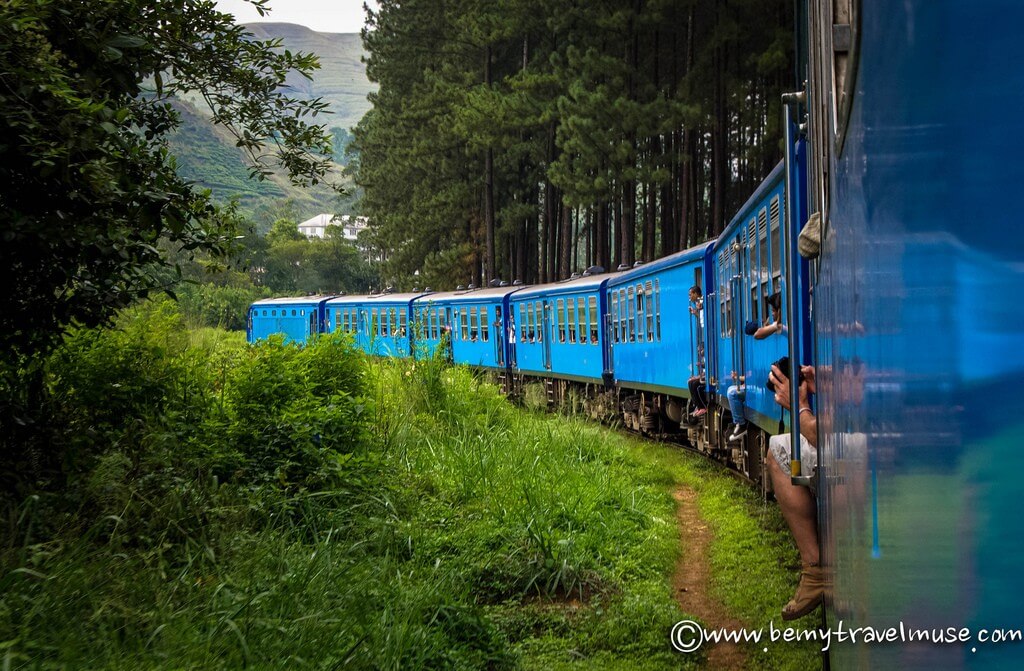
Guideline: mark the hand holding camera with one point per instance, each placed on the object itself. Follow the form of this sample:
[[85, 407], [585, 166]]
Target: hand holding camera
[[778, 381]]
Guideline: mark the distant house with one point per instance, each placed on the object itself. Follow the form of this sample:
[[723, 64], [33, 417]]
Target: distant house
[[317, 226]]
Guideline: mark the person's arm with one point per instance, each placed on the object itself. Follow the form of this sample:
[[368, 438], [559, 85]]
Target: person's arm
[[767, 330], [808, 422]]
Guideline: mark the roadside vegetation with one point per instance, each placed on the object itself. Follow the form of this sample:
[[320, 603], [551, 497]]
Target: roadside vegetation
[[190, 502]]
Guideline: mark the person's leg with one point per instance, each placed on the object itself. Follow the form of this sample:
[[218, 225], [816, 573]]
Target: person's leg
[[799, 509], [693, 384], [736, 405]]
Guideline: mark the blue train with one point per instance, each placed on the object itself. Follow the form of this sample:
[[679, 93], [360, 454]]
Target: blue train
[[904, 151]]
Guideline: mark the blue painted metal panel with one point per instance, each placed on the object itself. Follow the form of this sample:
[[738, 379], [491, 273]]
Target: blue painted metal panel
[[920, 336]]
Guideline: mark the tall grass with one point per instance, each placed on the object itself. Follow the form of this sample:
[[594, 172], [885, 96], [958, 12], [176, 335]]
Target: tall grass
[[226, 506]]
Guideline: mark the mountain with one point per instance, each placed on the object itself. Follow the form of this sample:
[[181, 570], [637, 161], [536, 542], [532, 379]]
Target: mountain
[[341, 79], [207, 155]]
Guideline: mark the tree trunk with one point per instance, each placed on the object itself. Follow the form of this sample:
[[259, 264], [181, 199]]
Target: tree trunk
[[490, 271]]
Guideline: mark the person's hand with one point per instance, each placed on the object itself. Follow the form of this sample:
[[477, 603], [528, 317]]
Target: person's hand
[[808, 373], [781, 383]]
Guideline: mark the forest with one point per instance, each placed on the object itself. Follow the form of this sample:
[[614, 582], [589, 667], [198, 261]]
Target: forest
[[530, 140]]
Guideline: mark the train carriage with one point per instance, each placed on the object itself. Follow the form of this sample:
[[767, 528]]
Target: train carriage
[[915, 118], [748, 260], [294, 318], [379, 323], [558, 330], [655, 342], [475, 321]]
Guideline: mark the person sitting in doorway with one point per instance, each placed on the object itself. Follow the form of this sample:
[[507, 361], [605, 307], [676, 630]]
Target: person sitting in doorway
[[798, 504], [737, 392]]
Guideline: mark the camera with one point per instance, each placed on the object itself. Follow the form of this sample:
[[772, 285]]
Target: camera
[[783, 365]]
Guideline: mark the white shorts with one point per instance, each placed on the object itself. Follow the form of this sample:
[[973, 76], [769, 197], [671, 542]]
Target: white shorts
[[778, 446]]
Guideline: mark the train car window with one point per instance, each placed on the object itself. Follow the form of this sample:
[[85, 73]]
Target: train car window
[[764, 256], [592, 318], [570, 312], [273, 313], [403, 322], [540, 321], [581, 311], [531, 319], [560, 319], [657, 309], [613, 310], [631, 330], [432, 322], [777, 259], [640, 312], [522, 322], [649, 293], [474, 324], [464, 319], [623, 311], [485, 323]]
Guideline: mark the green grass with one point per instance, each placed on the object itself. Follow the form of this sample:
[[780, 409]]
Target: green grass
[[241, 526]]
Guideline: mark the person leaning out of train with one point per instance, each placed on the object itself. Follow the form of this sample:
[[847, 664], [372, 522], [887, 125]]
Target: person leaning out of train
[[736, 393], [697, 383], [797, 503]]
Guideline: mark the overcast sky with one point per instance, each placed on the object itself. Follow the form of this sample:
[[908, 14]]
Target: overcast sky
[[325, 16]]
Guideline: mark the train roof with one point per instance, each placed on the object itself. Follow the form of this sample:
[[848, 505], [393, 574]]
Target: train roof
[[376, 298], [291, 300], [472, 295], [569, 286], [670, 261]]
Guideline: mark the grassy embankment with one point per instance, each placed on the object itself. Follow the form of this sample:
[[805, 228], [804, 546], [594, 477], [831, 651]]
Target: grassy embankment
[[218, 506]]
